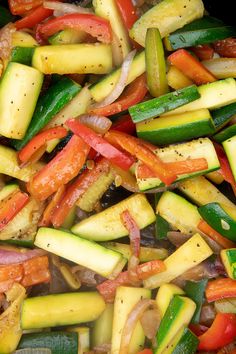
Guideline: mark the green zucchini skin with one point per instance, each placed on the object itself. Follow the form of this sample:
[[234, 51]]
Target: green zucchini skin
[[225, 134], [56, 97], [195, 291], [22, 55], [219, 220], [163, 104], [223, 115], [188, 343], [202, 31], [5, 16], [57, 342], [228, 258], [155, 63], [170, 130]]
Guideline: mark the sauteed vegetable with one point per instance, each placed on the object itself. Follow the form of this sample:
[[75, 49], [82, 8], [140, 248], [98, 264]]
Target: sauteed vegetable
[[117, 178]]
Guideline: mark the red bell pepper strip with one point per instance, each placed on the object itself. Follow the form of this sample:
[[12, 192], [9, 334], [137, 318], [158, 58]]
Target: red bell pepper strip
[[20, 7], [33, 18], [134, 232], [108, 288], [138, 148], [60, 170], [99, 144], [125, 125], [221, 332], [40, 140], [221, 288], [214, 235], [28, 273], [132, 95], [77, 189], [146, 351], [226, 47], [203, 51], [10, 207], [225, 169], [51, 207], [96, 26], [179, 168], [191, 67], [36, 271], [128, 12]]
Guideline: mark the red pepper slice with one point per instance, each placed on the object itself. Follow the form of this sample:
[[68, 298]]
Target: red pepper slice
[[100, 145], [225, 169], [125, 125], [60, 170], [220, 289], [10, 207], [96, 26], [138, 148], [146, 351], [108, 288], [214, 235], [134, 232], [77, 189], [50, 209], [128, 12], [203, 51], [221, 332], [33, 18], [40, 140], [19, 7], [226, 47], [179, 168], [191, 67], [132, 95]]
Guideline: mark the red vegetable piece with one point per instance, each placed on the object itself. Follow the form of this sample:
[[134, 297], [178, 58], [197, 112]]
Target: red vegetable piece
[[138, 148], [77, 189], [191, 67], [132, 95], [60, 170], [221, 332], [33, 18], [128, 12], [10, 207], [96, 26], [221, 288], [40, 140], [99, 144]]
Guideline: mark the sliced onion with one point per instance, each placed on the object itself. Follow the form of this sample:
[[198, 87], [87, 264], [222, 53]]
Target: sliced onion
[[204, 270], [33, 351], [150, 322], [99, 124], [128, 180], [6, 41], [61, 9], [216, 248], [12, 257], [177, 238], [131, 322], [120, 85], [86, 276], [103, 348], [132, 271]]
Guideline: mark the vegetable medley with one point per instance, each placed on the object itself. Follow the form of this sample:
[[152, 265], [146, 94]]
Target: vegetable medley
[[118, 178]]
